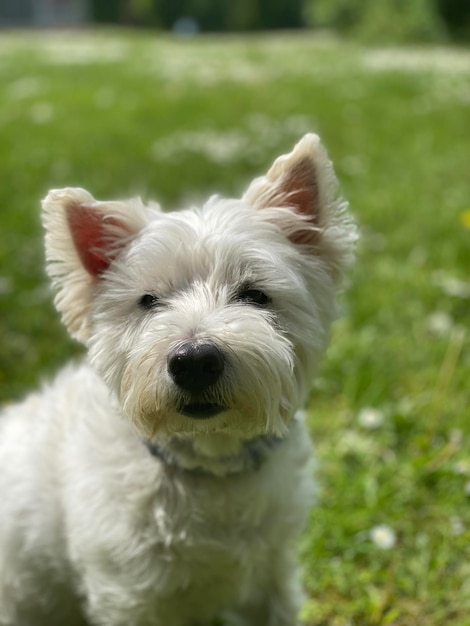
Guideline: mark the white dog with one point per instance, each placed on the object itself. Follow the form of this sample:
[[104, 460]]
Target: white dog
[[163, 481]]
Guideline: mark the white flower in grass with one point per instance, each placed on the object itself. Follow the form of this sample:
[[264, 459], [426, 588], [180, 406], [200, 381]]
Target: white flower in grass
[[462, 467], [439, 61], [451, 285], [439, 323], [24, 88], [456, 525], [41, 113], [353, 443], [370, 418], [383, 536]]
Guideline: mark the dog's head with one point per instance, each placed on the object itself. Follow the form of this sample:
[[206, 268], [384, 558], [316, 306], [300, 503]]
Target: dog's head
[[208, 320]]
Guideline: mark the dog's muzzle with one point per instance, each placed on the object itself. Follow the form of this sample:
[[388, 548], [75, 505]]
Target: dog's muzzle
[[195, 367]]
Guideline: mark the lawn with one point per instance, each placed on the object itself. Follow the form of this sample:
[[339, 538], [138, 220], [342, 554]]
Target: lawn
[[173, 120]]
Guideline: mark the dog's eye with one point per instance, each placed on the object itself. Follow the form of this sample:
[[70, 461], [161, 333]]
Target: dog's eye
[[255, 297], [149, 301]]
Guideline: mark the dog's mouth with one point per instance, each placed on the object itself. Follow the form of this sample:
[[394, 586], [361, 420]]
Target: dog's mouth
[[201, 410]]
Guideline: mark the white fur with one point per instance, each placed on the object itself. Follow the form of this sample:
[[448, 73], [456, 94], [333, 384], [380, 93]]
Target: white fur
[[94, 528]]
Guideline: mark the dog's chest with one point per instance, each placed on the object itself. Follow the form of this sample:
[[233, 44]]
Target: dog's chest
[[216, 537]]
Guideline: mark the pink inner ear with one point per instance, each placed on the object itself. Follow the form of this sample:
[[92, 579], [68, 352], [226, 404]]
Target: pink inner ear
[[301, 192], [89, 236], [301, 189]]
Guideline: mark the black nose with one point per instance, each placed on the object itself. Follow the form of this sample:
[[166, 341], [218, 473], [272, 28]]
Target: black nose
[[195, 366]]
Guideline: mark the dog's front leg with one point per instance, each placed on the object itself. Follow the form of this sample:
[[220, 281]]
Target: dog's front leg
[[113, 600], [269, 612], [278, 604]]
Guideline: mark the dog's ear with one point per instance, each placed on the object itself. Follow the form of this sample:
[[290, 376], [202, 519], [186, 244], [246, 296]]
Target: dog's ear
[[83, 238], [299, 194]]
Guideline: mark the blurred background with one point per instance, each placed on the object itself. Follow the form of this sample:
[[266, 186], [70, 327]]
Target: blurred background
[[389, 20], [178, 99]]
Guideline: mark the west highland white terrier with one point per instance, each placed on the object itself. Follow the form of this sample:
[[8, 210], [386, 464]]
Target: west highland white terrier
[[164, 480]]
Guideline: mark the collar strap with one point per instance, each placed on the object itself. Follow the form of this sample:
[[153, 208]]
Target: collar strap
[[252, 456]]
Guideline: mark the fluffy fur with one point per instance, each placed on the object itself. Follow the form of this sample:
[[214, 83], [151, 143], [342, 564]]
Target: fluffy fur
[[123, 502]]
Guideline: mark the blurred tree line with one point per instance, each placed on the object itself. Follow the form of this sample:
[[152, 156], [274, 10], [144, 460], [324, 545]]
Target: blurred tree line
[[382, 21], [209, 15]]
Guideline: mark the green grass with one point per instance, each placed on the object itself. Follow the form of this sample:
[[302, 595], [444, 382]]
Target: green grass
[[172, 120]]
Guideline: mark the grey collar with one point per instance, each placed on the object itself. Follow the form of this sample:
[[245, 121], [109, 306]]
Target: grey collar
[[252, 456]]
